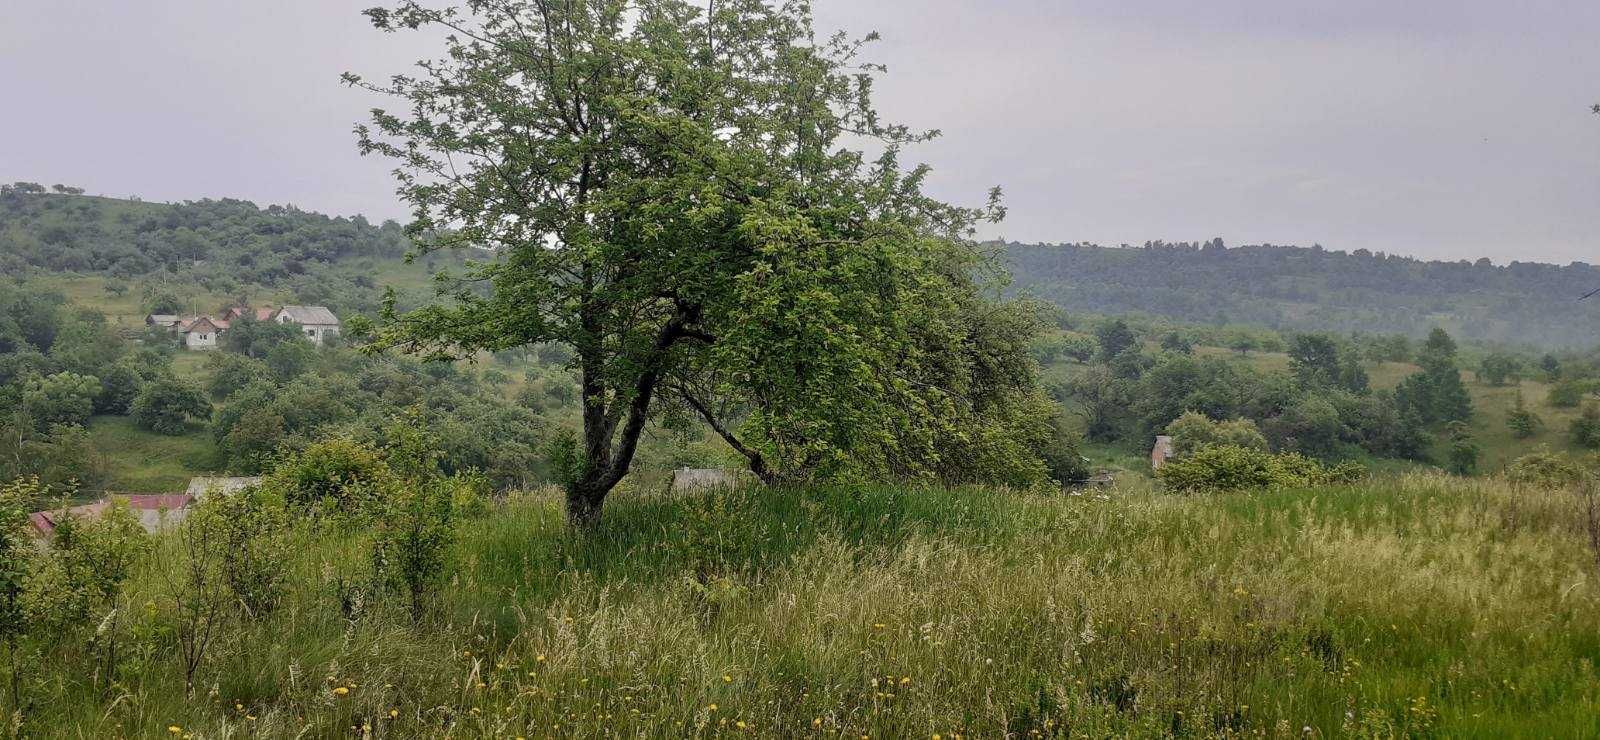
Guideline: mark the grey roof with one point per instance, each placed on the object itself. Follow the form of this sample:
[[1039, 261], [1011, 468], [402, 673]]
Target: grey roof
[[310, 315], [162, 318]]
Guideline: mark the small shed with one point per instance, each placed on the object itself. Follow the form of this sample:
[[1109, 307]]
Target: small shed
[[1161, 452], [163, 320]]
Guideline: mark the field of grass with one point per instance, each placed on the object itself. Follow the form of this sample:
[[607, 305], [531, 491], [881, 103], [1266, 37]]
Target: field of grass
[[1414, 606], [145, 462]]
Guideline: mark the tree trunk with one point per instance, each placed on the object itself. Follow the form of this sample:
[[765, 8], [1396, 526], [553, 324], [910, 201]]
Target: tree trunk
[[584, 501]]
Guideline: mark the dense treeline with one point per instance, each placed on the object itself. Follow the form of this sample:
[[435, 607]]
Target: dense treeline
[[1315, 289]]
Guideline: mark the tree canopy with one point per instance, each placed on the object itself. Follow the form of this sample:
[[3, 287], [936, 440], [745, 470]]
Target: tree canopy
[[671, 192]]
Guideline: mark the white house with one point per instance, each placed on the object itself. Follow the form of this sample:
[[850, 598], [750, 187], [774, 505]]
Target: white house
[[316, 321], [200, 332]]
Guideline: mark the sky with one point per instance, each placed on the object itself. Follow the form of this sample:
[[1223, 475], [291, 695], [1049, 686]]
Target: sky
[[1444, 129]]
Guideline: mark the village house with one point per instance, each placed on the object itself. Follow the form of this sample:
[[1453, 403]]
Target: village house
[[201, 332], [317, 322], [204, 332]]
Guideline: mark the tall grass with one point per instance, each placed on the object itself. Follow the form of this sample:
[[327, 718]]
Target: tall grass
[[1412, 606]]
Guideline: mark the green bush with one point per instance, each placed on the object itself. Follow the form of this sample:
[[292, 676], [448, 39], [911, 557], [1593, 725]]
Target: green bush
[[335, 476], [1546, 469], [253, 532], [1234, 468]]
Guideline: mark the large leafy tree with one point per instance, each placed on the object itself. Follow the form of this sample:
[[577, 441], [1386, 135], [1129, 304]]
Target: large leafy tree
[[669, 192]]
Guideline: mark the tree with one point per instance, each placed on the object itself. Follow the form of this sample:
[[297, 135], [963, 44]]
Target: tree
[[1436, 393], [257, 339], [1464, 452], [1115, 338], [1177, 342], [1194, 431], [1314, 359], [1498, 368], [61, 398], [1523, 422], [166, 405], [669, 192], [1550, 365]]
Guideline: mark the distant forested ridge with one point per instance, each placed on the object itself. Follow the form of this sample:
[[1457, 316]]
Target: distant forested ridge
[[1316, 289], [67, 232]]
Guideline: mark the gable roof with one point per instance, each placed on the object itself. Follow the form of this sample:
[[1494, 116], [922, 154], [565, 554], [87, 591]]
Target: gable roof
[[202, 324], [309, 315]]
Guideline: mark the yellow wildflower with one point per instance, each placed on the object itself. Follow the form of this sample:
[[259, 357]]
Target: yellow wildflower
[[740, 724], [394, 713], [711, 708], [341, 691], [174, 729], [540, 658], [727, 678]]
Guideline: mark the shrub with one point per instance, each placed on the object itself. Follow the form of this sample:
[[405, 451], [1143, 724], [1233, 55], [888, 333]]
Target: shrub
[[333, 476], [1546, 469], [1585, 430], [1195, 430], [1233, 468], [253, 534], [77, 578]]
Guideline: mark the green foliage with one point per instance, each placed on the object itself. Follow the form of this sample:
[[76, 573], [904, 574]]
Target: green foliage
[[1436, 394], [258, 339], [227, 373], [1499, 368], [817, 306], [1522, 421], [1194, 431], [167, 405], [336, 477], [76, 581], [1230, 468], [1570, 393], [253, 534], [1114, 338], [61, 398], [1464, 450], [1546, 469], [1585, 430]]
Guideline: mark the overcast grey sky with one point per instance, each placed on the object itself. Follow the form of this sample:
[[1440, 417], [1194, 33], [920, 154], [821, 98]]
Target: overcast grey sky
[[1438, 128]]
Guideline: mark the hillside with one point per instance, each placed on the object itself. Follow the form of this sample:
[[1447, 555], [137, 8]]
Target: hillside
[[120, 255], [1316, 289]]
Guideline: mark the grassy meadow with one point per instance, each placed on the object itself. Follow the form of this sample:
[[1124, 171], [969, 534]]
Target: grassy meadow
[[1409, 606]]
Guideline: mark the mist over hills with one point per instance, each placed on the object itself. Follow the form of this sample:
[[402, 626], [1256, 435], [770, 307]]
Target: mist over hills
[[1286, 287]]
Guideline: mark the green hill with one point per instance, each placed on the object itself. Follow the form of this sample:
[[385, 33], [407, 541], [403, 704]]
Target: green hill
[[1522, 303], [119, 255]]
